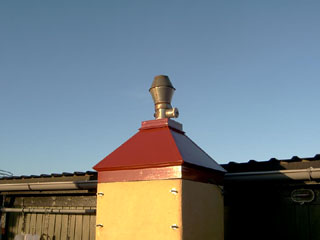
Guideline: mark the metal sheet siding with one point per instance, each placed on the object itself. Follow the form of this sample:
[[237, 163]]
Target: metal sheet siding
[[47, 225], [53, 226]]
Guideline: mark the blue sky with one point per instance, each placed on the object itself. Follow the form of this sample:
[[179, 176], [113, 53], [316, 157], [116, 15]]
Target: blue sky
[[74, 78]]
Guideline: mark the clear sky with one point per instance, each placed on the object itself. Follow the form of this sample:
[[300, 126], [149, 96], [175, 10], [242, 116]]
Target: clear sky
[[75, 75]]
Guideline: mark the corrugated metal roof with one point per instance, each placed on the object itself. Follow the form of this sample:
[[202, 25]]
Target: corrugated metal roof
[[91, 174], [232, 167], [274, 164]]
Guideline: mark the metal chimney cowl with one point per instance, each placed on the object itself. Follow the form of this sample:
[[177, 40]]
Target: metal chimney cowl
[[162, 91], [159, 143]]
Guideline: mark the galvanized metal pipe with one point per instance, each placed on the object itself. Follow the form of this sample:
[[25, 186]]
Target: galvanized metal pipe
[[162, 91], [42, 186], [297, 174], [48, 210]]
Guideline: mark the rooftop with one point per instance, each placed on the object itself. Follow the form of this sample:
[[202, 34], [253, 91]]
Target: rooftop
[[274, 164], [232, 167]]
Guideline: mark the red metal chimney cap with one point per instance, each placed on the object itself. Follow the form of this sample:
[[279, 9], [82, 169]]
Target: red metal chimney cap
[[159, 143]]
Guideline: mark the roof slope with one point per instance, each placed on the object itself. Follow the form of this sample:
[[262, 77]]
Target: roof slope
[[274, 164], [159, 143]]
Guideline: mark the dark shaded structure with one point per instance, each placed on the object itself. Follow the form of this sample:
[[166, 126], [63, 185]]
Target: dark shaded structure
[[55, 206], [275, 199]]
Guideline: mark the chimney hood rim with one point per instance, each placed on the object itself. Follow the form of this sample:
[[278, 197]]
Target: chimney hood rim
[[161, 81]]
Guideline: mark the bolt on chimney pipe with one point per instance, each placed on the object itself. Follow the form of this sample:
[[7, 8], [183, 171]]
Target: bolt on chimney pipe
[[162, 91]]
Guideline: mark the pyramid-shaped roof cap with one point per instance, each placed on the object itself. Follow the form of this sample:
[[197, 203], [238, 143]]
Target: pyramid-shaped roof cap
[[159, 143]]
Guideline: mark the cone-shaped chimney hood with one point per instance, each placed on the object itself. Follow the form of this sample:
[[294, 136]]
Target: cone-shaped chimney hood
[[162, 91]]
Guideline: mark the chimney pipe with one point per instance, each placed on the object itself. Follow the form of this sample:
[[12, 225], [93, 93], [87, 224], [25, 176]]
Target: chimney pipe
[[162, 91]]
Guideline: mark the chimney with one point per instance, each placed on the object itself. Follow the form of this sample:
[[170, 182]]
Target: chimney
[[159, 184], [162, 91]]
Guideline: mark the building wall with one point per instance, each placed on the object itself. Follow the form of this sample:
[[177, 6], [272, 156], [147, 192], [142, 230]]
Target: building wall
[[51, 226], [202, 214], [255, 210], [139, 210]]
